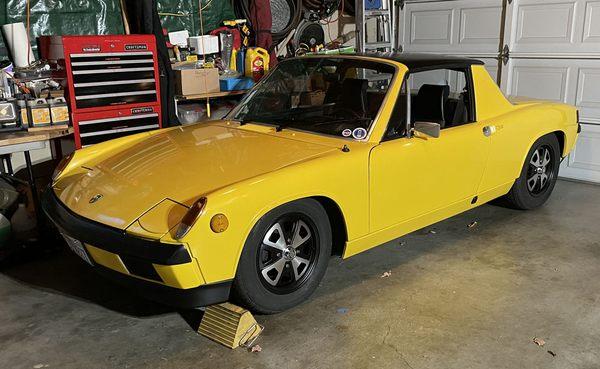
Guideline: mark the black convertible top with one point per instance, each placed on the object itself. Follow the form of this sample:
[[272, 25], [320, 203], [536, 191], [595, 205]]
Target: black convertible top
[[423, 61]]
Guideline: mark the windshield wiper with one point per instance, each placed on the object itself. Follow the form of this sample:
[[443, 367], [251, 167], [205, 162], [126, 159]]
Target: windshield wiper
[[242, 121], [267, 116]]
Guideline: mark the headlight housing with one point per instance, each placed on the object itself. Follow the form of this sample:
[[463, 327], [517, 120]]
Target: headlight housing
[[61, 166], [190, 218]]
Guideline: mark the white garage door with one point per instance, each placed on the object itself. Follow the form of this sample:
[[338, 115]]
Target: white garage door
[[546, 49]]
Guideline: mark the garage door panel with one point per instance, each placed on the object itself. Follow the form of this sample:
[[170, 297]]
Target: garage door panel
[[588, 94], [480, 25], [550, 28], [584, 161], [545, 23], [541, 82], [457, 27], [571, 81], [591, 29], [431, 27]]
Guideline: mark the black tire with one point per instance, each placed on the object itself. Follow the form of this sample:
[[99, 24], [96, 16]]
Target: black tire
[[270, 278], [523, 195]]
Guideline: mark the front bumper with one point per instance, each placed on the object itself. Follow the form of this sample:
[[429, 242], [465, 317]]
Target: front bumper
[[204, 295], [159, 271]]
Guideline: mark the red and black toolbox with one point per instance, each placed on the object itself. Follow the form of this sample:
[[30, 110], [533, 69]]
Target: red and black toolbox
[[112, 86]]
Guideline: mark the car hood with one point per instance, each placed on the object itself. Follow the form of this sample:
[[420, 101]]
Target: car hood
[[180, 165]]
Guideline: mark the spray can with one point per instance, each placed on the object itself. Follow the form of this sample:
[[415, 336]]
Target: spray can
[[257, 63]]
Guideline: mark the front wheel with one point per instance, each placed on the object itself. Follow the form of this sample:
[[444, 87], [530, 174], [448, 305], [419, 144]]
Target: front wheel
[[538, 175], [284, 257]]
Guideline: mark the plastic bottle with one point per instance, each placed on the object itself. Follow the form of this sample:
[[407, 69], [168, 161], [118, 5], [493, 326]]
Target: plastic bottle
[[257, 63], [23, 112], [39, 112], [59, 112]]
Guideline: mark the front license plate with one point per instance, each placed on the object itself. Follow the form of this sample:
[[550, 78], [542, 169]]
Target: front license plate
[[78, 248]]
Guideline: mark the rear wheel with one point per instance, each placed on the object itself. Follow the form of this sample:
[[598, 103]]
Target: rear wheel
[[284, 257], [538, 175]]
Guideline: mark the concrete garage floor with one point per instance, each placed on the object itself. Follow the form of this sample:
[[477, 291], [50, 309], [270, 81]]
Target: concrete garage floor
[[457, 298]]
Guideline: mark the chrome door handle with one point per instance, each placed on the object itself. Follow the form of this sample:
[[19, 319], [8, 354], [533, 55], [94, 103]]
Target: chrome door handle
[[489, 130]]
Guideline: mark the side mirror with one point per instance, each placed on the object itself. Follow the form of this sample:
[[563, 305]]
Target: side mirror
[[428, 128]]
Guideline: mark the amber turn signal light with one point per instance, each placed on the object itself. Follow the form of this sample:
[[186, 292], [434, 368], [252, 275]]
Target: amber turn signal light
[[190, 217], [219, 223]]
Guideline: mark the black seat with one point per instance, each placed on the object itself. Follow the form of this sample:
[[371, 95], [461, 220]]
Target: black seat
[[456, 112], [350, 94], [430, 103]]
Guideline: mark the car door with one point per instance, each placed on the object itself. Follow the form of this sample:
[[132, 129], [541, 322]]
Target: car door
[[427, 178]]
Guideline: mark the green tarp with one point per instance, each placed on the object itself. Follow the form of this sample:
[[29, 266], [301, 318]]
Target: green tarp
[[178, 15], [63, 17]]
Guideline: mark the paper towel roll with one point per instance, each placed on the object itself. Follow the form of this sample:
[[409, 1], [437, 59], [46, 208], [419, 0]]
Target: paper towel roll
[[15, 39]]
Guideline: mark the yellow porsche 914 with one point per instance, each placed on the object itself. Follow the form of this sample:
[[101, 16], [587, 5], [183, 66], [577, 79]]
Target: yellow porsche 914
[[327, 155]]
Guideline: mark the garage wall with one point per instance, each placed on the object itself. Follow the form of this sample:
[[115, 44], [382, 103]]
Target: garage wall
[[88, 17], [102, 17], [550, 49]]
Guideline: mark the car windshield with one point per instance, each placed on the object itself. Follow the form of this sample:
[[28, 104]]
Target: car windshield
[[330, 95]]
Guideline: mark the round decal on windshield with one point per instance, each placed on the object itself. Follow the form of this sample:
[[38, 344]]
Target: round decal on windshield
[[359, 133], [347, 132]]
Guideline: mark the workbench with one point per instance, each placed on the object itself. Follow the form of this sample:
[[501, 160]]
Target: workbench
[[25, 141]]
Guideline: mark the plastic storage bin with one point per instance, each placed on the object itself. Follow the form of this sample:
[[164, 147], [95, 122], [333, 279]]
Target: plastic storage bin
[[236, 84]]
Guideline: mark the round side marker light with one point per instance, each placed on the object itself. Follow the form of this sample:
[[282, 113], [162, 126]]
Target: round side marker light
[[219, 223]]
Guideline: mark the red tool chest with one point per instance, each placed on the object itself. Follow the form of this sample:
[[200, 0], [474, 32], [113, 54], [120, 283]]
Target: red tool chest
[[113, 86]]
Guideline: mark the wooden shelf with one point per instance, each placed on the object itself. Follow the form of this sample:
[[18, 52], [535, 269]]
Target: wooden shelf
[[210, 95], [14, 138], [59, 128]]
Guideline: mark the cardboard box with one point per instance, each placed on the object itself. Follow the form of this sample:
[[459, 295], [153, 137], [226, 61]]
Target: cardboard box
[[196, 81], [204, 45], [313, 98]]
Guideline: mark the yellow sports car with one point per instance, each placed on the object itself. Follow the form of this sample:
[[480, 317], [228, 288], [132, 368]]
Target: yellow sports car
[[327, 155]]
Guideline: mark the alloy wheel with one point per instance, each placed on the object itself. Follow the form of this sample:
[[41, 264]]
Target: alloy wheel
[[540, 172], [287, 254]]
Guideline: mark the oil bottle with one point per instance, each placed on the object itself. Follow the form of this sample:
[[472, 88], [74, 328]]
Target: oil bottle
[[257, 63]]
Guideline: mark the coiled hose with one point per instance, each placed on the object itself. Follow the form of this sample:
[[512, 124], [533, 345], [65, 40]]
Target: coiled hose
[[242, 10], [325, 8]]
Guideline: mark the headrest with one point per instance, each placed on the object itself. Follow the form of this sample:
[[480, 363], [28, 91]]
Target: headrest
[[430, 103], [353, 94], [434, 92]]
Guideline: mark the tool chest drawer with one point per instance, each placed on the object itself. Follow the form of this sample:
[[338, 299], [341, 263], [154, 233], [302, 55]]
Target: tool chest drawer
[[113, 79], [93, 128], [113, 86], [111, 71]]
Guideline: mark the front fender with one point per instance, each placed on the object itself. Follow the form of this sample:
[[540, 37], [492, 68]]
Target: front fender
[[246, 202]]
